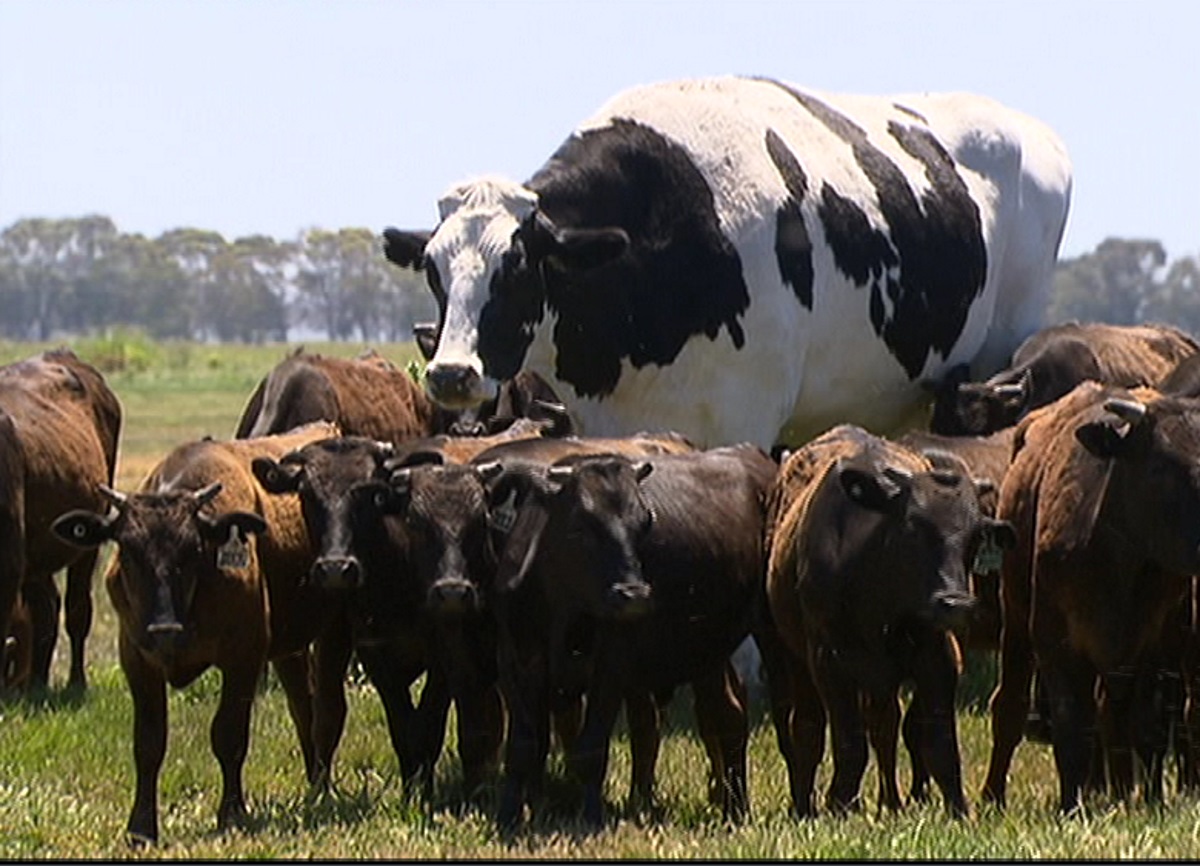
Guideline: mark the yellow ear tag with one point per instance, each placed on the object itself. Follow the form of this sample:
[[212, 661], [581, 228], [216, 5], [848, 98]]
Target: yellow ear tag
[[234, 553]]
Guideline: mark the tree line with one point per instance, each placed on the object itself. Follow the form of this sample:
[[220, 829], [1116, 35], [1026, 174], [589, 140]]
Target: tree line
[[84, 276]]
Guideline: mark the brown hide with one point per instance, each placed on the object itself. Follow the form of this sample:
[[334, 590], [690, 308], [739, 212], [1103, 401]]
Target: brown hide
[[238, 615], [1106, 505], [1053, 361], [68, 422], [366, 396]]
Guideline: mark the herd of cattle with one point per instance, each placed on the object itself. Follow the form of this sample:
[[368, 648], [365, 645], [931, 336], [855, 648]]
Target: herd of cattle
[[540, 580], [711, 262]]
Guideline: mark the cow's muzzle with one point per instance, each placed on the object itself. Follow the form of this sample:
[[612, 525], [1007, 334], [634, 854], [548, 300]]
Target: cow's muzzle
[[630, 599], [453, 597], [952, 609], [337, 572], [454, 386]]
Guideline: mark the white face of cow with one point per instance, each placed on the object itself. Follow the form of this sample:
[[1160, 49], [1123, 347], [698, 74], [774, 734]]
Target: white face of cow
[[465, 255]]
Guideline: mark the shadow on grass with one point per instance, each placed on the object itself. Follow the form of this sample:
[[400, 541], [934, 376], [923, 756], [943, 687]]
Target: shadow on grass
[[44, 699]]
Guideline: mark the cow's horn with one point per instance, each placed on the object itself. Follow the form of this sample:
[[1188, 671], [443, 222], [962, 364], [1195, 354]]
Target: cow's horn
[[207, 494], [1012, 390], [114, 497], [1127, 410]]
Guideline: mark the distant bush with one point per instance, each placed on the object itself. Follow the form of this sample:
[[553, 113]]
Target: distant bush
[[122, 350]]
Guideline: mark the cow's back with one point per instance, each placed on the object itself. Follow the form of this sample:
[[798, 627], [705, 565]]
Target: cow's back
[[365, 396], [982, 273]]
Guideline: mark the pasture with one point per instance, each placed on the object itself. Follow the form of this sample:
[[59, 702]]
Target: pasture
[[66, 769]]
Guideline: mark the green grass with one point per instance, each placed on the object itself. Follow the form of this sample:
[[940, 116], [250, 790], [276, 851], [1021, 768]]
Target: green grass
[[66, 768]]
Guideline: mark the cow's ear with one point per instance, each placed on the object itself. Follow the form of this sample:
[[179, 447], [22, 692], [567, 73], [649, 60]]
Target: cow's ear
[[878, 491], [1110, 437], [405, 249], [220, 529], [84, 528], [276, 477], [642, 470], [1013, 398]]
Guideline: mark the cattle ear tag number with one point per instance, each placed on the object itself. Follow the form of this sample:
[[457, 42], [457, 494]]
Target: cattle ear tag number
[[234, 553], [988, 558], [505, 514]]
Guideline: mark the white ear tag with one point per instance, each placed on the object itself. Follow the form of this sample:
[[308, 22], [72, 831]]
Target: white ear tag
[[505, 514], [234, 553]]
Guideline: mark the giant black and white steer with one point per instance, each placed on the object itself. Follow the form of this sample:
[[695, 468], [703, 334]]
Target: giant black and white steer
[[738, 259]]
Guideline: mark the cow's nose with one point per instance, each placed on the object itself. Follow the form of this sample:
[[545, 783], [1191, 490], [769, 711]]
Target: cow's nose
[[166, 627], [456, 386], [452, 597], [630, 599], [337, 572], [952, 609]]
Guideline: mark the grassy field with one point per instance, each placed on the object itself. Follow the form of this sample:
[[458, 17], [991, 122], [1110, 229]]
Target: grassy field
[[66, 769]]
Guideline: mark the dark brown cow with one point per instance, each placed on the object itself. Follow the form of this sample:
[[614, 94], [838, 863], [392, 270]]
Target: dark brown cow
[[365, 396], [209, 574], [986, 460], [868, 549], [372, 397], [67, 421], [1053, 361], [1105, 496], [624, 577]]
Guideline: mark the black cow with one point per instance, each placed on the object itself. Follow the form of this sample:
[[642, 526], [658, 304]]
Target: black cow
[[868, 551], [1052, 362], [626, 577]]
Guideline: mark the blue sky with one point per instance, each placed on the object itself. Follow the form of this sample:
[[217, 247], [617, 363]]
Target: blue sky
[[273, 116]]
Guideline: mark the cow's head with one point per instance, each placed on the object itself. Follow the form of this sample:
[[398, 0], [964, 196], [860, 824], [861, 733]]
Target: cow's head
[[488, 263], [444, 510], [169, 545], [1151, 482], [963, 408], [911, 535], [342, 486], [581, 521]]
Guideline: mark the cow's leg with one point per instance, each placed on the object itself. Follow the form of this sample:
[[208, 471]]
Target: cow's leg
[[1070, 683], [1009, 706], [524, 684], [79, 614], [721, 717], [331, 660], [789, 685], [911, 729], [641, 713], [392, 673], [936, 675], [429, 729], [295, 675], [840, 696], [44, 603], [230, 735], [1114, 715], [148, 691], [883, 726], [476, 696], [589, 759]]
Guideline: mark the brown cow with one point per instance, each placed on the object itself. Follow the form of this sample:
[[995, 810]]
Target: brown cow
[[1050, 363], [209, 574], [1104, 494], [868, 549], [372, 397], [67, 421]]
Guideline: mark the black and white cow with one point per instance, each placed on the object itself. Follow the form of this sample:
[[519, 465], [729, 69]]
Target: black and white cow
[[737, 259]]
